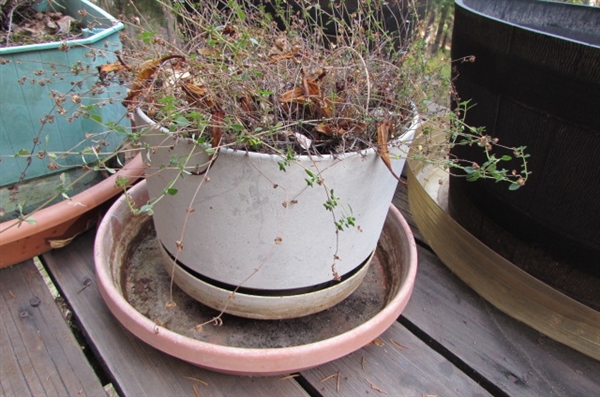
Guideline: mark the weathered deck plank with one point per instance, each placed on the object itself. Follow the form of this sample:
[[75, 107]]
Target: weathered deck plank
[[452, 341], [136, 368], [400, 200], [515, 358], [396, 364], [512, 357], [139, 368], [39, 355]]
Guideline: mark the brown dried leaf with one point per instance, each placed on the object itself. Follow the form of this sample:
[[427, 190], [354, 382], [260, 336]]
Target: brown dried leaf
[[107, 68], [327, 107], [145, 74], [246, 103], [229, 30], [398, 345], [295, 95], [217, 128], [281, 57], [301, 95], [330, 130], [207, 52], [196, 94], [383, 133], [311, 87], [61, 243]]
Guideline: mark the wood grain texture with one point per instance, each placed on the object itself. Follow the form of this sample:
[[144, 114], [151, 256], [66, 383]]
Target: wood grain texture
[[396, 364], [505, 285], [516, 358], [39, 355], [400, 200], [136, 368], [448, 336], [507, 353]]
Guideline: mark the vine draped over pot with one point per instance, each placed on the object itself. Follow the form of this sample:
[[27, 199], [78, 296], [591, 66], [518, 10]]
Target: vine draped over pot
[[295, 81], [310, 84], [308, 79]]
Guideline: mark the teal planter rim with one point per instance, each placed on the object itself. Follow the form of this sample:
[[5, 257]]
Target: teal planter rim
[[103, 33]]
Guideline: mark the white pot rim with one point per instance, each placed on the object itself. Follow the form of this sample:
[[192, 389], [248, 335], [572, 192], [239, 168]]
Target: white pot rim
[[410, 127]]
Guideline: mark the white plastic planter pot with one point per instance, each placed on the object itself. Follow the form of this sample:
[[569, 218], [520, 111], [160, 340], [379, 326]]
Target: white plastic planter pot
[[264, 232]]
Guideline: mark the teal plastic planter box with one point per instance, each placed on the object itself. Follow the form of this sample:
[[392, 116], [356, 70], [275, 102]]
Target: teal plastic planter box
[[28, 76]]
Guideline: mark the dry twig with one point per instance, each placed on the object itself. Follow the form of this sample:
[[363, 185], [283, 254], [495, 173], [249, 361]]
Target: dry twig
[[374, 387]]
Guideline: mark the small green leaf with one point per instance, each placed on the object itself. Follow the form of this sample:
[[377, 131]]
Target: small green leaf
[[147, 37], [121, 182], [265, 93], [147, 209], [171, 191], [96, 118], [472, 177], [182, 121]]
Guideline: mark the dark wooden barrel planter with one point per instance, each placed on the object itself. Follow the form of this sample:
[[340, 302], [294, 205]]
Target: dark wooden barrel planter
[[535, 82]]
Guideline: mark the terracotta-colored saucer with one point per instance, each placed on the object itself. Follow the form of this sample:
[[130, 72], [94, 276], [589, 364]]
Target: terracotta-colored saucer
[[57, 225], [132, 280]]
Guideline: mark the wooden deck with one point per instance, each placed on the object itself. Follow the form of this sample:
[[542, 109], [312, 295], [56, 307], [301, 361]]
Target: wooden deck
[[448, 342]]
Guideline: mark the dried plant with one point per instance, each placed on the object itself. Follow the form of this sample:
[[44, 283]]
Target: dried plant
[[276, 79], [292, 78], [22, 23]]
